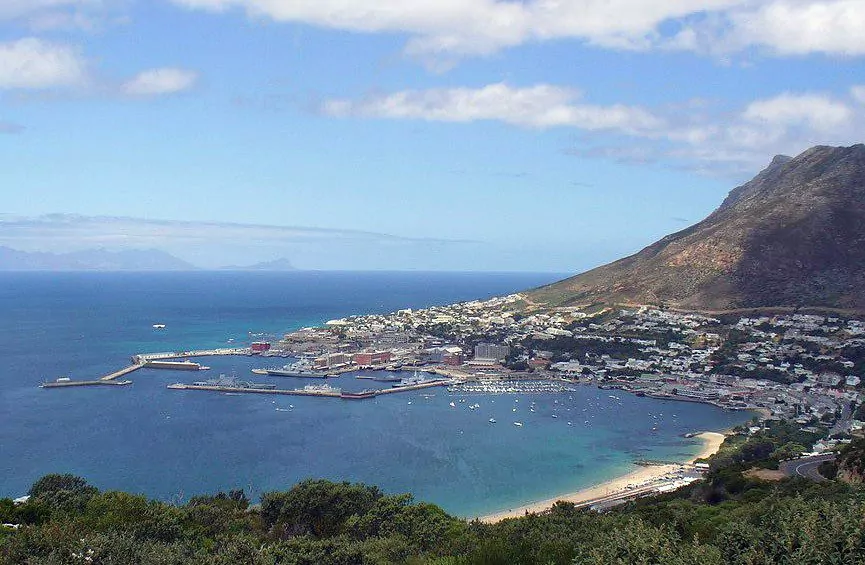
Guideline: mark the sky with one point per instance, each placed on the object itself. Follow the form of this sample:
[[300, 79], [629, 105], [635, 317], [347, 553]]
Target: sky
[[541, 135]]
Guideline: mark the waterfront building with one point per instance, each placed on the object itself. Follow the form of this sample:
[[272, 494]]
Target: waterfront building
[[332, 360], [372, 357], [491, 351]]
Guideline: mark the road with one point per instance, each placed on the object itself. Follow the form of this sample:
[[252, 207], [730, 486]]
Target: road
[[806, 467]]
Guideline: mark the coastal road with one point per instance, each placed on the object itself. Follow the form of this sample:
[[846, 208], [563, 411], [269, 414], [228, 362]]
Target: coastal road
[[806, 467]]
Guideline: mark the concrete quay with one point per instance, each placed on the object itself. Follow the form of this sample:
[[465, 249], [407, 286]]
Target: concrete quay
[[144, 357], [122, 372], [247, 390], [302, 392], [99, 382]]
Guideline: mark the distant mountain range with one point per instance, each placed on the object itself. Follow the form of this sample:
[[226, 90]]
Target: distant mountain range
[[104, 260], [282, 264], [92, 260], [793, 236]]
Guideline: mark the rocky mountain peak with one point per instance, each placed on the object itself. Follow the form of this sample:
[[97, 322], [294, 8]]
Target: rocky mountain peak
[[792, 236]]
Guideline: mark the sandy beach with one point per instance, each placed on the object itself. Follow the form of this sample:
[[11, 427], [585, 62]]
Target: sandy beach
[[711, 443]]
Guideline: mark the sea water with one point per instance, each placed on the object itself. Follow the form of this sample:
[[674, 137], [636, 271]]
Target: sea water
[[172, 444]]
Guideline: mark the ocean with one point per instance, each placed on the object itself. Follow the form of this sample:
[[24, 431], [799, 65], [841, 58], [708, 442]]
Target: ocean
[[171, 444]]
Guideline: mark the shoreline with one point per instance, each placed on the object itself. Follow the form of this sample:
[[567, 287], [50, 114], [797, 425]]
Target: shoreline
[[621, 485]]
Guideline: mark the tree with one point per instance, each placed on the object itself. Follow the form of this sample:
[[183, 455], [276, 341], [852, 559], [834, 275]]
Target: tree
[[54, 483]]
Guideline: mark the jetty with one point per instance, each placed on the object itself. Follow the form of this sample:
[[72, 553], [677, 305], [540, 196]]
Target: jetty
[[60, 383], [122, 372], [326, 392], [144, 357]]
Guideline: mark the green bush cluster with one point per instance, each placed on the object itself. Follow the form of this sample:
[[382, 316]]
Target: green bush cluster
[[729, 518]]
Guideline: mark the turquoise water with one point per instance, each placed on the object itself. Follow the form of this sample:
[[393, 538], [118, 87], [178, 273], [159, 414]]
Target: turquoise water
[[173, 444]]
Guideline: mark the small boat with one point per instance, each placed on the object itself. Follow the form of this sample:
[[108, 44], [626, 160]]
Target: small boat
[[158, 326], [555, 416], [492, 420], [452, 405], [518, 424]]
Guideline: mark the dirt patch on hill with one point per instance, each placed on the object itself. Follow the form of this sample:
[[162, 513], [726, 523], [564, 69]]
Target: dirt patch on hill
[[764, 474]]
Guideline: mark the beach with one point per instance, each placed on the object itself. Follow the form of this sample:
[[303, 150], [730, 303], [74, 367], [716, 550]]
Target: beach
[[635, 481]]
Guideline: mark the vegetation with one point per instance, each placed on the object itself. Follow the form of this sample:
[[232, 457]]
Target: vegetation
[[729, 518]]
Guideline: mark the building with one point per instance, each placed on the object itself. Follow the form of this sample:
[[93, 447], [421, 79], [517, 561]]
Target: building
[[491, 351], [260, 346], [449, 355], [454, 359], [372, 357], [332, 361], [539, 363]]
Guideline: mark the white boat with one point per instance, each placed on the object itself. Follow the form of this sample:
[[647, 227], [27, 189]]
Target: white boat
[[518, 424], [158, 326], [452, 405], [492, 420]]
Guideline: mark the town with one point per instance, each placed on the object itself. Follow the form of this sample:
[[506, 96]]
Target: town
[[795, 366]]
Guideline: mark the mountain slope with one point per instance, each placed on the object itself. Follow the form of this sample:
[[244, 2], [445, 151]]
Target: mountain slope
[[792, 236]]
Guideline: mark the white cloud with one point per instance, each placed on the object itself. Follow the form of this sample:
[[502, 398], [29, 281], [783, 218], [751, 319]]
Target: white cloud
[[540, 106], [695, 136], [858, 93], [37, 64], [62, 15], [798, 27], [156, 82], [12, 9], [818, 112], [478, 27]]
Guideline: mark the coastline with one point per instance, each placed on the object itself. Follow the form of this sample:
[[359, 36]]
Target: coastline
[[621, 485]]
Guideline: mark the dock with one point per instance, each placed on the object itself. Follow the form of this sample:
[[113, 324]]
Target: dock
[[144, 357], [99, 382], [122, 372], [174, 365], [251, 390], [139, 362], [301, 392]]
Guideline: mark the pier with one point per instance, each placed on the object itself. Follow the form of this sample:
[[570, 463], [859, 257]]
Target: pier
[[152, 361], [144, 357], [250, 390], [99, 382], [302, 392], [121, 372]]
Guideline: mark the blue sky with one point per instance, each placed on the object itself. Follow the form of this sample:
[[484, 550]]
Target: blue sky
[[412, 134]]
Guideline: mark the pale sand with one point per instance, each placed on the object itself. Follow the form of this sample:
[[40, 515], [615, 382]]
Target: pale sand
[[711, 443]]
